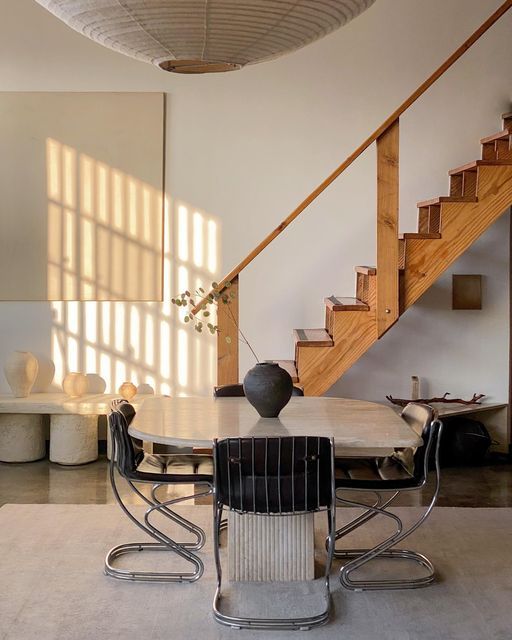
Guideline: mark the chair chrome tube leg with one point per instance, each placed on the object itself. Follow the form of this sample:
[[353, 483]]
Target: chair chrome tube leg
[[163, 543], [189, 526], [385, 550]]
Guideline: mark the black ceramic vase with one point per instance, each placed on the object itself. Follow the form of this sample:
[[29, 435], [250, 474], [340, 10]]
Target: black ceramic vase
[[268, 388]]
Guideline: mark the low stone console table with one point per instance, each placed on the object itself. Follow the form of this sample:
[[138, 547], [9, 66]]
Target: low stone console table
[[73, 427]]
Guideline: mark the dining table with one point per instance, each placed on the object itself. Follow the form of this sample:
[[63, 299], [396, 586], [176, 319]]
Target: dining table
[[359, 429]]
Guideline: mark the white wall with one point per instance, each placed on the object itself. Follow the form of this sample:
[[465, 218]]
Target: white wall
[[246, 147]]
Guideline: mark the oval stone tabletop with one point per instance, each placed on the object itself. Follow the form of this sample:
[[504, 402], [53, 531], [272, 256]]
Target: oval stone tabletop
[[196, 422]]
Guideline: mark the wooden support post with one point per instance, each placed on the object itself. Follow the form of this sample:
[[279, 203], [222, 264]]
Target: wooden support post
[[227, 353], [387, 229]]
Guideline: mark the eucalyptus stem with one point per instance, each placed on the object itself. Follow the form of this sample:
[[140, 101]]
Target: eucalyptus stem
[[233, 319]]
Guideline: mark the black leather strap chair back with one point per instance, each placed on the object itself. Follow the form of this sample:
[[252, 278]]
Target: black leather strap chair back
[[237, 391], [274, 478], [273, 475], [229, 391], [420, 417], [129, 450]]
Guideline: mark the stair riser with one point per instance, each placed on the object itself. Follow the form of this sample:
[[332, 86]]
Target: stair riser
[[329, 320], [469, 183], [429, 219], [423, 219], [503, 151], [366, 289], [401, 254], [456, 185], [497, 150], [464, 184]]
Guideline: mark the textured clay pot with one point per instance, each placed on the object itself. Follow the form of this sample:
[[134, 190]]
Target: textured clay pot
[[75, 384], [268, 388], [21, 371], [127, 390]]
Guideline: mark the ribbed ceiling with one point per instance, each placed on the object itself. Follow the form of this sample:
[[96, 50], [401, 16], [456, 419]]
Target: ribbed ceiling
[[194, 36]]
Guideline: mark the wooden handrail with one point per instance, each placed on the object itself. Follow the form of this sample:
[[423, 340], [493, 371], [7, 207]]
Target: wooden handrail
[[369, 141]]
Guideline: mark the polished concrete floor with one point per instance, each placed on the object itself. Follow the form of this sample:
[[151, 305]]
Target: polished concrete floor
[[46, 482]]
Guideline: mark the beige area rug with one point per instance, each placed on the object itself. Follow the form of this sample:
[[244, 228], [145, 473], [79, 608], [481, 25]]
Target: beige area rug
[[52, 584]]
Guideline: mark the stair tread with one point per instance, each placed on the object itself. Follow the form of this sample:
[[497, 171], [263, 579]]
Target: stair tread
[[506, 115], [499, 135], [340, 303], [289, 365], [419, 236], [441, 199], [368, 271], [312, 338], [470, 166]]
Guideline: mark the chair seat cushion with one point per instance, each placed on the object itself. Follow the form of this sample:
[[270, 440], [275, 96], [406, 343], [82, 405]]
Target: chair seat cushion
[[151, 464], [383, 473], [165, 468]]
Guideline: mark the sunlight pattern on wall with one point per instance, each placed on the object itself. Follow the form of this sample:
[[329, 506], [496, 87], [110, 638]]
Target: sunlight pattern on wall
[[144, 342], [104, 230]]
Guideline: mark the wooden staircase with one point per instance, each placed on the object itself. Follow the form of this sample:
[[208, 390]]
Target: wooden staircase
[[407, 264], [480, 192]]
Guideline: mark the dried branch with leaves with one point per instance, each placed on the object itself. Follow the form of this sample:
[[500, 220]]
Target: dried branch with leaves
[[402, 402], [202, 318]]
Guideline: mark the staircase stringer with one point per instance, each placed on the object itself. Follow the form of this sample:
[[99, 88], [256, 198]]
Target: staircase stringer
[[320, 367], [354, 332], [462, 224]]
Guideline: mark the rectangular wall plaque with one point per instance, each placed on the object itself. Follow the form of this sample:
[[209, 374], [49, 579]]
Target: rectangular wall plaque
[[467, 292]]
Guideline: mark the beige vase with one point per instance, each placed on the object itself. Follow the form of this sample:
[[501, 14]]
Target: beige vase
[[127, 390], [21, 371], [75, 384]]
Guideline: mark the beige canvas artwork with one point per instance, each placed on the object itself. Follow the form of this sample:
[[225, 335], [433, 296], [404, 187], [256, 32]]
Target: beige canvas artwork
[[81, 196]]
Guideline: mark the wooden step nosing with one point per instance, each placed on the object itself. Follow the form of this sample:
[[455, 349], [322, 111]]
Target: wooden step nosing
[[473, 166], [301, 339], [500, 135], [445, 199], [419, 236], [367, 271], [333, 303]]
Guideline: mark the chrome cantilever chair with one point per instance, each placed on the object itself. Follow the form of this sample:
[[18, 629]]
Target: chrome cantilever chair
[[137, 467], [274, 477], [237, 391], [407, 470]]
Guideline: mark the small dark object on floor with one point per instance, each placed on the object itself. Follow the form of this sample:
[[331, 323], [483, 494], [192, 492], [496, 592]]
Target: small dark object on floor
[[465, 442]]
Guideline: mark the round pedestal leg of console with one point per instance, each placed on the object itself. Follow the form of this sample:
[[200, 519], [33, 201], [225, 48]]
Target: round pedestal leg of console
[[21, 437], [73, 439]]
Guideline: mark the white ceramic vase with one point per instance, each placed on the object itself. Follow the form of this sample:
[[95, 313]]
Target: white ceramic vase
[[75, 384], [95, 383], [145, 389], [21, 371]]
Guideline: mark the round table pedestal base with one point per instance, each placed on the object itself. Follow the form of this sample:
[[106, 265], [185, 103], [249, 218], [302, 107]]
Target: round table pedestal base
[[21, 437], [73, 439]]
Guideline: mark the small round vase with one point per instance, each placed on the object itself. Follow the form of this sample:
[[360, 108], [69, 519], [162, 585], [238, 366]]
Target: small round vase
[[268, 388], [127, 390], [145, 389], [21, 371], [75, 384], [95, 383]]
